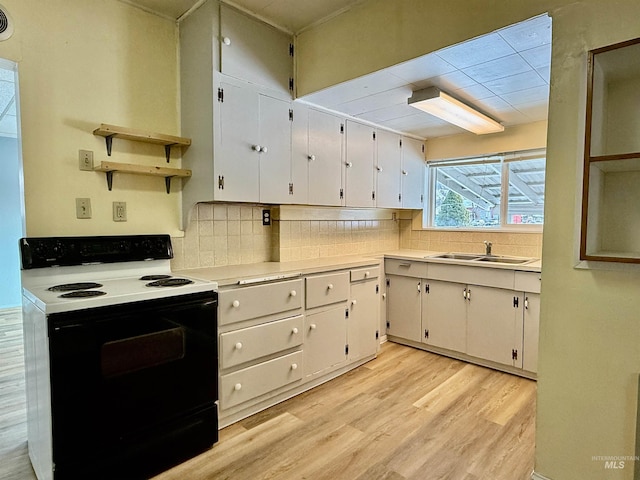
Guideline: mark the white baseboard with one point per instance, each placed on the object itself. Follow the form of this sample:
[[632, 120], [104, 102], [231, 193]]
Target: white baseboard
[[537, 476]]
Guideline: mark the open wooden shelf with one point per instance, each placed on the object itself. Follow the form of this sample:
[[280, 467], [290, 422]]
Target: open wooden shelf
[[111, 131], [168, 173]]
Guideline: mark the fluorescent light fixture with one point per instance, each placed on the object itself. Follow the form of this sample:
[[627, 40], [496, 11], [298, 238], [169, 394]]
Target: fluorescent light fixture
[[439, 104]]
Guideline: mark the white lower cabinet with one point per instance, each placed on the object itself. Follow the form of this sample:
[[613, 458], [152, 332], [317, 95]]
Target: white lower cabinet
[[496, 323], [364, 307], [325, 340]]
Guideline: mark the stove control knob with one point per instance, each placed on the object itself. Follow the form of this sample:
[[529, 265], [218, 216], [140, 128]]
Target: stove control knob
[[239, 346], [237, 387], [235, 304]]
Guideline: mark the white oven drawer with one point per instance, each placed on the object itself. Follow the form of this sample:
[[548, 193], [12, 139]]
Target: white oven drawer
[[251, 382], [251, 343], [244, 303], [327, 289]]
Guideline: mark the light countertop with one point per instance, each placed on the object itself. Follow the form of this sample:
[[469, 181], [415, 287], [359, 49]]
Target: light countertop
[[232, 274]]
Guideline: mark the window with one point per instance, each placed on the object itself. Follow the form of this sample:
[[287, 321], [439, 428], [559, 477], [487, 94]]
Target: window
[[469, 193]]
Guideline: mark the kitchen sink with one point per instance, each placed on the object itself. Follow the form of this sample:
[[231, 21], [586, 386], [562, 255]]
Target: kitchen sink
[[474, 257], [499, 259], [457, 256]]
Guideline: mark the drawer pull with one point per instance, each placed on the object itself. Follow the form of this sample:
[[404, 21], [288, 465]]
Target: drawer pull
[[294, 330], [237, 387], [293, 293], [405, 265], [330, 286], [235, 304], [313, 326], [239, 346], [366, 274], [354, 301], [294, 366]]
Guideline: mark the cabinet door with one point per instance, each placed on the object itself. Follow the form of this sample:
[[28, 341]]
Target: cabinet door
[[325, 340], [236, 164], [403, 307], [275, 154], [444, 315], [256, 52], [325, 158], [494, 325], [300, 154], [531, 315], [363, 319], [413, 172], [388, 159], [360, 151]]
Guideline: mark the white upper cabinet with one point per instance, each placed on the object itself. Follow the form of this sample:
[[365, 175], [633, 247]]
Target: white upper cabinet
[[360, 155], [275, 150], [317, 157], [412, 173], [254, 51], [388, 160]]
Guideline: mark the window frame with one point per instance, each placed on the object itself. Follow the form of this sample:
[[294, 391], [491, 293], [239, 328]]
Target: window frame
[[429, 213]]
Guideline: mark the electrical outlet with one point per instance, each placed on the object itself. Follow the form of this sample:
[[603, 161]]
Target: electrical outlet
[[119, 211], [85, 157], [266, 217], [83, 208]]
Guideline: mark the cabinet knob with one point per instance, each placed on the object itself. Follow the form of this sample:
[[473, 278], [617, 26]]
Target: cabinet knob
[[293, 293], [263, 150], [379, 168], [313, 326], [354, 301], [235, 304], [256, 148], [366, 274], [404, 172], [419, 287], [294, 330], [330, 286], [294, 366], [384, 296], [349, 164], [239, 346], [237, 387], [226, 40], [311, 157]]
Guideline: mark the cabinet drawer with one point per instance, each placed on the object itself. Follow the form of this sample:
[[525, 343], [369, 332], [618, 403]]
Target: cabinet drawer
[[528, 282], [365, 273], [251, 382], [245, 303], [327, 289], [405, 268], [248, 344]]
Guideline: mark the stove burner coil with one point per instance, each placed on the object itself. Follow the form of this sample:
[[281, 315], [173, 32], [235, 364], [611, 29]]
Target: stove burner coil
[[155, 277], [170, 282], [69, 287], [82, 294]]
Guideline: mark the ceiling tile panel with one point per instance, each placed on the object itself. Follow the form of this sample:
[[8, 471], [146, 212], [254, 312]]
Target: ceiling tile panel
[[448, 82], [391, 112], [530, 95], [515, 83], [479, 50], [422, 68], [538, 57], [397, 96], [529, 34], [500, 68]]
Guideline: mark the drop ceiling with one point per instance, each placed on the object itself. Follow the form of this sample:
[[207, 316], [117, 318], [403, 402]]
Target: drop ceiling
[[8, 119], [504, 74]]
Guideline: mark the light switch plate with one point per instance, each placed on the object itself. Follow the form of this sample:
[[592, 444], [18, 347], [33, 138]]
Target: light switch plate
[[85, 157], [83, 208]]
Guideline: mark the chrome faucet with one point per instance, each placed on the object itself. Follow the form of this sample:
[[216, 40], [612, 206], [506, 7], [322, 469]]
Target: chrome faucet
[[488, 247]]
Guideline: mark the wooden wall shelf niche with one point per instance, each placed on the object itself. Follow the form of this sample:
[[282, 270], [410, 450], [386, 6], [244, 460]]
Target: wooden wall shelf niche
[[111, 131], [168, 173], [610, 229]]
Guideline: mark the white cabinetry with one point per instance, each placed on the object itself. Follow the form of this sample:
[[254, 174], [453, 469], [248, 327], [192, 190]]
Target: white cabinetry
[[404, 296], [360, 154], [317, 164], [412, 173], [444, 315], [254, 51], [362, 325], [388, 160], [325, 340]]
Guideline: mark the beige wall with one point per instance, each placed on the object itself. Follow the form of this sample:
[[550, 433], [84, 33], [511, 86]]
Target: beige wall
[[589, 355], [82, 63]]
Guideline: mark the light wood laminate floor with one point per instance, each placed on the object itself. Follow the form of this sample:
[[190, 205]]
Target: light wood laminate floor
[[408, 415]]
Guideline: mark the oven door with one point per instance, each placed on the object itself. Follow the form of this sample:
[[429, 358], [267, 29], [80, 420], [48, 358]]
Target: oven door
[[133, 382]]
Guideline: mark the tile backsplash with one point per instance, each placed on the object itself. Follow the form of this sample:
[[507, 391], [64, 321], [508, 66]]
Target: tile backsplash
[[233, 234]]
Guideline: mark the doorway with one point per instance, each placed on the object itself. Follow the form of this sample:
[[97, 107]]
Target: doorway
[[11, 187]]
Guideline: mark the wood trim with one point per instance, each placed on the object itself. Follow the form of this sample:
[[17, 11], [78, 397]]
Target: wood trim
[[142, 169], [614, 46], [615, 156], [106, 130], [587, 156]]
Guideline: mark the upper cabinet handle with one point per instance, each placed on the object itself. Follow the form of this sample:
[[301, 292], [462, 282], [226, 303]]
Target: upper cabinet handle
[[311, 157], [349, 164], [379, 168], [256, 148], [404, 172], [226, 40]]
